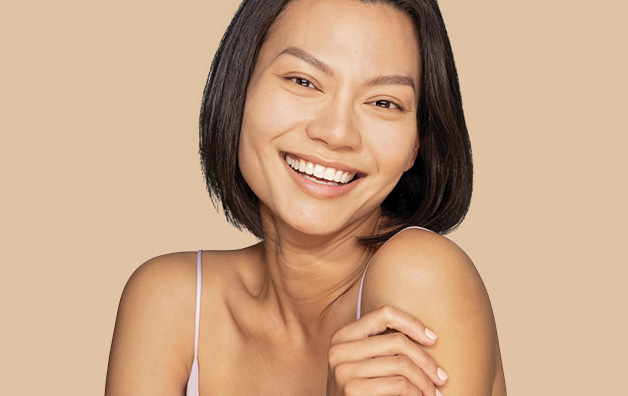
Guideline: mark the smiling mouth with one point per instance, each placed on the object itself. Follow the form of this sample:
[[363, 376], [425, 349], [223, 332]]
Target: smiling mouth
[[319, 173]]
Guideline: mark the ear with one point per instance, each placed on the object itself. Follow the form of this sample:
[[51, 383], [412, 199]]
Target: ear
[[415, 152]]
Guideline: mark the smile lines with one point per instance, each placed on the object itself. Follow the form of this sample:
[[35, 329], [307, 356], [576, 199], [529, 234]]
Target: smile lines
[[319, 171]]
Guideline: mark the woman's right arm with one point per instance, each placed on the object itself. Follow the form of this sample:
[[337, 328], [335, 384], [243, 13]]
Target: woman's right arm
[[153, 339]]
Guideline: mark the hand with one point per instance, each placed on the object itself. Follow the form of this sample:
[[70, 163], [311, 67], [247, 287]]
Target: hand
[[366, 359]]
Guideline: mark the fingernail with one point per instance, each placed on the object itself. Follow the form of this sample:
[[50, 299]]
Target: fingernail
[[442, 374], [439, 393], [430, 334]]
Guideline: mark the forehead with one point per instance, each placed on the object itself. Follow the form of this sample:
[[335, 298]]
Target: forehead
[[369, 37]]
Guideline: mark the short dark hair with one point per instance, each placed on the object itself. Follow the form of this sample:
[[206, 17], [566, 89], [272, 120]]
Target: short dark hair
[[435, 193]]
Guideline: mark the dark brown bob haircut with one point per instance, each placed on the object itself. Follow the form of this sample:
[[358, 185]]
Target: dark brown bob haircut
[[435, 193]]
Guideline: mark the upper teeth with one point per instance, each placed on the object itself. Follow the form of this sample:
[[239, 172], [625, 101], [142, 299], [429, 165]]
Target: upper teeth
[[319, 171]]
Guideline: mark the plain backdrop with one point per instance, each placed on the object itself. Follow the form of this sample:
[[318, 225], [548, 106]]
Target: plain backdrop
[[99, 172]]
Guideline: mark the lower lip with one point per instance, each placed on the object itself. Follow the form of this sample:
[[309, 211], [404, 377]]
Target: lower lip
[[320, 190]]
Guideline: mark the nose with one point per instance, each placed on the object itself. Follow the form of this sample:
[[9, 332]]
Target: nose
[[335, 126]]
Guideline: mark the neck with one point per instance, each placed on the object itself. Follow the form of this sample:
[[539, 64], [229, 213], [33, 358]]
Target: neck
[[313, 280]]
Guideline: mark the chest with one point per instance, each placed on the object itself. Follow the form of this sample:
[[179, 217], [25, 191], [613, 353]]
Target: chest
[[247, 368], [245, 345]]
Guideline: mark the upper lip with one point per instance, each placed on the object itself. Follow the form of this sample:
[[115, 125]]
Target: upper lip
[[315, 159]]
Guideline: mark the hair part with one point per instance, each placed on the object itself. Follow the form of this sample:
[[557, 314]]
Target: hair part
[[435, 193]]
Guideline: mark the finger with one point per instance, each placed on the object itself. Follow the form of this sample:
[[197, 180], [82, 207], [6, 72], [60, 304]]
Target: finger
[[382, 319], [387, 366], [388, 345], [382, 386]]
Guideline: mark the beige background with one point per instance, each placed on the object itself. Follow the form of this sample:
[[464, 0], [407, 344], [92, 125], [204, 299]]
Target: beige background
[[99, 172]]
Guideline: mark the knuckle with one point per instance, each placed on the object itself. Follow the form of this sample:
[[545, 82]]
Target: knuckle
[[402, 362], [340, 371], [428, 361], [387, 310], [352, 387], [334, 354], [401, 385], [398, 339]]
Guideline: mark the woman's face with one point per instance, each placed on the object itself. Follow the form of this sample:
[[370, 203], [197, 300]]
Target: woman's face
[[329, 123]]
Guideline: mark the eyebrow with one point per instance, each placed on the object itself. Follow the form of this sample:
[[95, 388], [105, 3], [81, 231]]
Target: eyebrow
[[308, 58], [392, 80], [324, 67]]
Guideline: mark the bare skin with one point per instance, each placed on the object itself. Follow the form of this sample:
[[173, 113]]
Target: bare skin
[[279, 318]]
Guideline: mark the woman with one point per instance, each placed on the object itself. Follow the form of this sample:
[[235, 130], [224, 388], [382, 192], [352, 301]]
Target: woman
[[328, 127]]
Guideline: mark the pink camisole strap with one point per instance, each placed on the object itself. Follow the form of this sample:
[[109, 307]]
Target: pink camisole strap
[[192, 386]]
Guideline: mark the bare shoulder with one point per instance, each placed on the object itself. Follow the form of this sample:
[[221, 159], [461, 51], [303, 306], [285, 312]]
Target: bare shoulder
[[152, 347], [148, 354], [431, 278], [429, 264], [165, 286], [163, 279], [168, 282]]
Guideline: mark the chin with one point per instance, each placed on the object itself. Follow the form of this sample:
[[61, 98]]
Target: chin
[[318, 223], [317, 228], [315, 225]]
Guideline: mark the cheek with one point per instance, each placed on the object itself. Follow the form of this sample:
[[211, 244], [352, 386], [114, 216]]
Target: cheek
[[269, 113], [394, 145], [260, 124]]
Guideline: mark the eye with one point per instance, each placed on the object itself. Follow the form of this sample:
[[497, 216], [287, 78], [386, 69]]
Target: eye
[[387, 104], [302, 82]]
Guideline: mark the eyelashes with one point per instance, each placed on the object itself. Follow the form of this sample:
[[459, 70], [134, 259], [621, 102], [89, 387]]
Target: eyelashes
[[302, 82], [387, 104], [381, 103]]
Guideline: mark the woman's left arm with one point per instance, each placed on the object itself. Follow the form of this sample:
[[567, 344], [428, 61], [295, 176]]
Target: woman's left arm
[[429, 277]]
